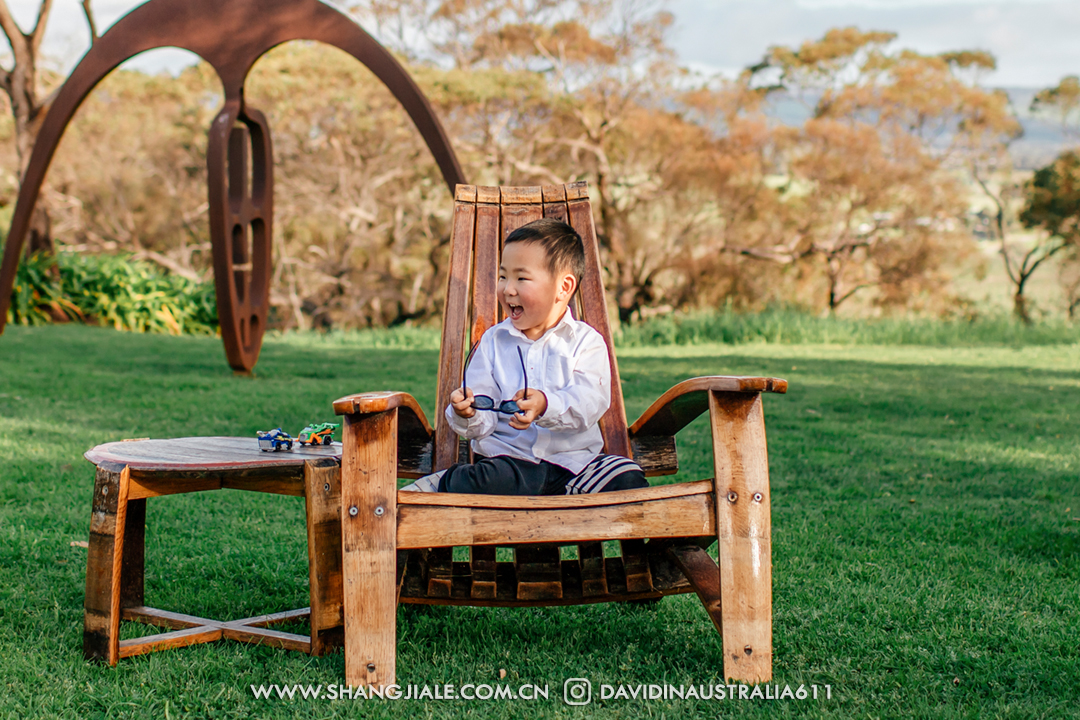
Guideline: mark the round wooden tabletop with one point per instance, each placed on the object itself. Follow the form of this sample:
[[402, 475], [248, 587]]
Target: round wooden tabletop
[[205, 453]]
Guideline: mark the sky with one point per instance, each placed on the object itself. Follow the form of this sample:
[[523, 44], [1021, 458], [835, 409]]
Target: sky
[[1036, 42]]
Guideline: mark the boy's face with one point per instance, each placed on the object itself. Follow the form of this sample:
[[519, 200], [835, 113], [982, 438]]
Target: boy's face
[[530, 295]]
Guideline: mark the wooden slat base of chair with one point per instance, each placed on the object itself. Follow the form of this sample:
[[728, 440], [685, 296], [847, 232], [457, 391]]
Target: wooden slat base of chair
[[571, 582]]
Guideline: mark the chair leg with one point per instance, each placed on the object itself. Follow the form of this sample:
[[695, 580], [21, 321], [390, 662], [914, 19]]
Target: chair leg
[[744, 534], [105, 561], [704, 576], [369, 553], [322, 500]]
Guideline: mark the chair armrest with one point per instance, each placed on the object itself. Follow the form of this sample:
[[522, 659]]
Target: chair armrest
[[376, 402], [680, 405], [415, 436]]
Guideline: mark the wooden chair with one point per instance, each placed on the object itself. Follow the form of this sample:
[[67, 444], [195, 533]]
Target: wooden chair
[[397, 546]]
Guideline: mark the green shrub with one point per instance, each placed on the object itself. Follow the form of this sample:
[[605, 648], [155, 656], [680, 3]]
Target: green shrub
[[112, 290], [37, 298]]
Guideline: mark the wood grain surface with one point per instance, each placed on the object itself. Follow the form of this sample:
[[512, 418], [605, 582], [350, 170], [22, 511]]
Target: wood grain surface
[[204, 453]]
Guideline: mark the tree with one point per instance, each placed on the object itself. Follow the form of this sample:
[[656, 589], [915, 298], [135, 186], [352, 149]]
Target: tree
[[362, 214], [20, 83], [700, 197], [1069, 279], [130, 175], [992, 171], [1063, 102], [866, 178], [1053, 205], [547, 91]]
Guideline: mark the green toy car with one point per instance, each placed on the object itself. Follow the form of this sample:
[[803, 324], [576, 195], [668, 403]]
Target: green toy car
[[321, 434]]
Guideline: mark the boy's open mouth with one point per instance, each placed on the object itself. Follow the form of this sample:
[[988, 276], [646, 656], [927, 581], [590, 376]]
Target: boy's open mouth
[[516, 311]]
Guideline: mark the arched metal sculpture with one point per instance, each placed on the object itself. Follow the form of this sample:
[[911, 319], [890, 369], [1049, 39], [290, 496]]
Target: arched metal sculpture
[[230, 35]]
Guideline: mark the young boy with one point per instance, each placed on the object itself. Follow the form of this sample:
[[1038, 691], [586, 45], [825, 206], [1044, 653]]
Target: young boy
[[546, 379]]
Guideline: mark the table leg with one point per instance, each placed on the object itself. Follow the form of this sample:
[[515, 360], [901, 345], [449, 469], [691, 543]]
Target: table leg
[[322, 497], [105, 560]]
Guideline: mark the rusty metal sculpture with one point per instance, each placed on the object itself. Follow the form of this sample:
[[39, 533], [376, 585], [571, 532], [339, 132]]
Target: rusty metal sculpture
[[230, 35]]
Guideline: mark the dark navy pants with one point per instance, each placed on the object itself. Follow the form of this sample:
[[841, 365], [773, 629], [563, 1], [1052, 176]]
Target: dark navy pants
[[504, 475]]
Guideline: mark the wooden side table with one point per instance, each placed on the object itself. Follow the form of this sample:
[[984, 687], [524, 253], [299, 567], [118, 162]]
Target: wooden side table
[[129, 472]]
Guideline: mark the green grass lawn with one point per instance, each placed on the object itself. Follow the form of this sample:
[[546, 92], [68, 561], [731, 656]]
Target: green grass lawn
[[926, 536]]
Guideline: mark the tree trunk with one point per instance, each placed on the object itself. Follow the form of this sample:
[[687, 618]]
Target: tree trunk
[[1020, 304], [39, 238], [834, 285], [20, 85], [27, 122]]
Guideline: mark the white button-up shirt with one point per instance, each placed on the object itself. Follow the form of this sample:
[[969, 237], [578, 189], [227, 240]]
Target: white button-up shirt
[[569, 364]]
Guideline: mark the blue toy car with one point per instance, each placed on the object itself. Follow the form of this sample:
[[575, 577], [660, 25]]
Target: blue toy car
[[274, 440]]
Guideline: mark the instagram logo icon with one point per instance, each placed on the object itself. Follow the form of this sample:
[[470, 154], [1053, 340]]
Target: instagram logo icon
[[577, 691]]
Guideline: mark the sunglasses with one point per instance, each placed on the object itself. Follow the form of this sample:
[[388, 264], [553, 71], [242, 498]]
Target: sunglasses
[[483, 402]]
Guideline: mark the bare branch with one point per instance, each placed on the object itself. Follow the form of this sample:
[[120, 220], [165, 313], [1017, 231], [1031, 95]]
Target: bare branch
[[852, 291], [784, 257], [1027, 271], [38, 33], [169, 264], [11, 29], [999, 222], [537, 171], [89, 13]]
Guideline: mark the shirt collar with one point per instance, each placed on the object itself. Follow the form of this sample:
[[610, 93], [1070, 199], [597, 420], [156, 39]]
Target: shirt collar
[[567, 327]]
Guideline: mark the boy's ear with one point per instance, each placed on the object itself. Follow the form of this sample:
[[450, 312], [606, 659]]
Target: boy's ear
[[567, 286]]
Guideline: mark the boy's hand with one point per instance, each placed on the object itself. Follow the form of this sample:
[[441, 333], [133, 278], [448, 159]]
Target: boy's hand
[[531, 408], [462, 403]]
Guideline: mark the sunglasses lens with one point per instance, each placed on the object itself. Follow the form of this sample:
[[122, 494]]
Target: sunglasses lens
[[510, 407], [483, 402]]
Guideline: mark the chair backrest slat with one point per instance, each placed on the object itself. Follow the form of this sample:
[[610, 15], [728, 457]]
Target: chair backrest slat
[[594, 312], [455, 320], [485, 271], [483, 217]]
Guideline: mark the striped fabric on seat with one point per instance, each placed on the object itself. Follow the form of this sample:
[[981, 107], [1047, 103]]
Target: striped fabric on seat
[[598, 473]]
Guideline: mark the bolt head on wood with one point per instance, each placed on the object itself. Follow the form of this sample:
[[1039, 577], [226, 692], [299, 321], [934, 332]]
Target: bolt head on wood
[[353, 511], [732, 496], [379, 511]]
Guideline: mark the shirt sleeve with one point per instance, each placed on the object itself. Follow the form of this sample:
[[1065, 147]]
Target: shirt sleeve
[[482, 382], [581, 403]]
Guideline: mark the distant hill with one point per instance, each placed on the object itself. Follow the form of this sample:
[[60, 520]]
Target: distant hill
[[1042, 139]]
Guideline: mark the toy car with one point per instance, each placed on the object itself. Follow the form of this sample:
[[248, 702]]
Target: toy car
[[274, 440], [320, 434]]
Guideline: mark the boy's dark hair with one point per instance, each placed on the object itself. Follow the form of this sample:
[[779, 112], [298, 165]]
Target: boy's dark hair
[[560, 242]]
